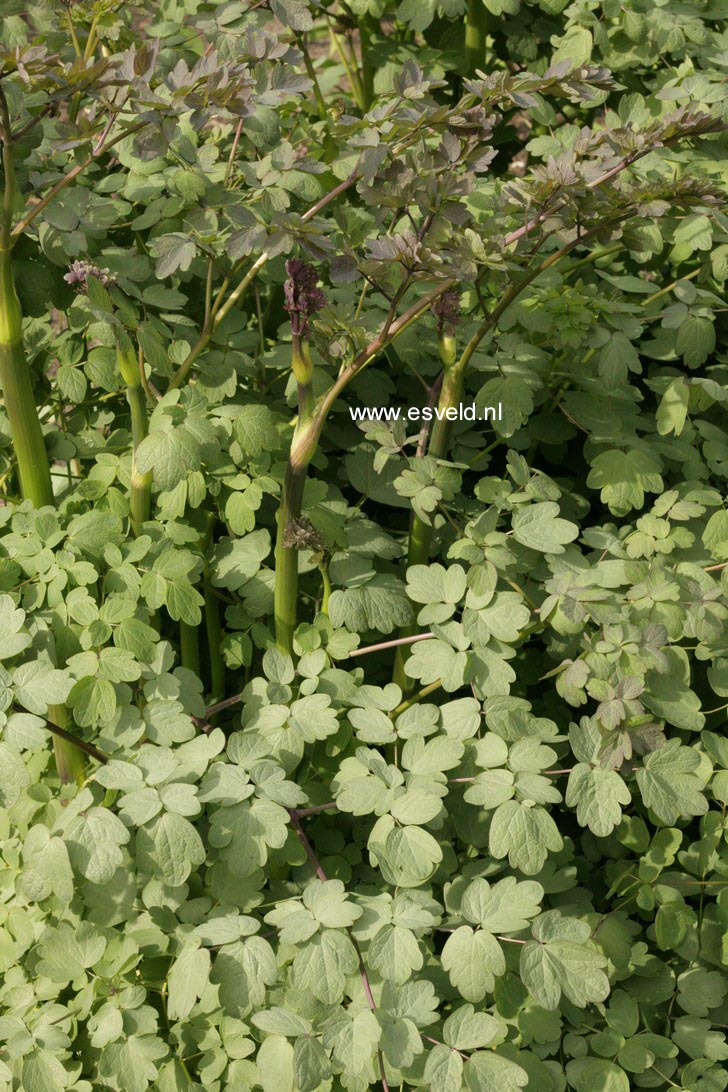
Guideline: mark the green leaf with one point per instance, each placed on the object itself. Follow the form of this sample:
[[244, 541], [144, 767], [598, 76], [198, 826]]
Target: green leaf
[[668, 693], [352, 1037], [12, 640], [378, 603], [394, 953], [596, 1075], [515, 398], [329, 905], [695, 1037], [187, 980], [43, 1072], [435, 583], [435, 659], [38, 685], [275, 1064], [46, 866], [176, 848], [575, 48], [489, 1072], [418, 14], [310, 1064], [695, 340], [443, 1070], [467, 1029], [409, 856], [243, 970], [169, 455], [93, 841], [93, 702], [131, 1063], [473, 959], [616, 360], [323, 965], [715, 535], [669, 784], [525, 834], [66, 952], [255, 430], [14, 776], [505, 907], [538, 527], [673, 409], [624, 477], [174, 251], [598, 796], [560, 960]]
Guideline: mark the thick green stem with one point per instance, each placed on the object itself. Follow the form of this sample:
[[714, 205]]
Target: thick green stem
[[214, 641], [18, 399], [286, 559], [450, 394], [189, 647], [140, 489], [476, 28], [70, 763], [303, 447], [34, 469], [27, 435]]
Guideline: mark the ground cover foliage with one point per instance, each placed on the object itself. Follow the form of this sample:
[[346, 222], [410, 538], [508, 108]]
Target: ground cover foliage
[[236, 852]]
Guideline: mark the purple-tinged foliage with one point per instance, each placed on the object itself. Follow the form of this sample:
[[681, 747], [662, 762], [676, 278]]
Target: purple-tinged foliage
[[302, 297]]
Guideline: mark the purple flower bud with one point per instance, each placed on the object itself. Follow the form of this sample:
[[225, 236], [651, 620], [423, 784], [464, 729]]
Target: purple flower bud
[[79, 272], [302, 297], [446, 310]]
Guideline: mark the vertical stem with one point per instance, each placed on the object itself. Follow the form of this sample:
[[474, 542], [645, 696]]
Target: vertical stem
[[303, 447], [352, 69], [27, 435], [18, 398], [286, 557], [189, 647], [311, 73], [140, 489], [74, 36], [214, 640], [25, 429], [91, 40], [476, 28], [326, 585], [450, 393], [70, 762]]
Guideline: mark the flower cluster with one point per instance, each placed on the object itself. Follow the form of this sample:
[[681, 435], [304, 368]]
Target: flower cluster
[[79, 272], [300, 534], [446, 310], [302, 297]]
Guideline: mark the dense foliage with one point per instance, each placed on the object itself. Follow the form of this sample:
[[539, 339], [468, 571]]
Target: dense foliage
[[266, 855]]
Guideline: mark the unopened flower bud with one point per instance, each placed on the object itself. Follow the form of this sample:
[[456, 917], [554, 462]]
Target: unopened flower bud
[[446, 310], [302, 297]]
